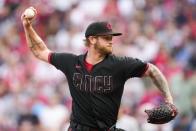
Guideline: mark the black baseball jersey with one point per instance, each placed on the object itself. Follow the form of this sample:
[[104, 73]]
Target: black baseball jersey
[[96, 96]]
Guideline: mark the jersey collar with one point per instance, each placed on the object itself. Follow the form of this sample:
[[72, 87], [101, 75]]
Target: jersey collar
[[82, 57]]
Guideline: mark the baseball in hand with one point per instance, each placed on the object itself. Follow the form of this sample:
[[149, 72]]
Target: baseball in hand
[[29, 13]]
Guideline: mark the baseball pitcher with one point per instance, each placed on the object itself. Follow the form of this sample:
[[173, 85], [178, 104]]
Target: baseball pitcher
[[96, 78]]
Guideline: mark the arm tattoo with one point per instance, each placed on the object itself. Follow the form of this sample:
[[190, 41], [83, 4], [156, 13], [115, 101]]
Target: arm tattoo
[[159, 80], [35, 46]]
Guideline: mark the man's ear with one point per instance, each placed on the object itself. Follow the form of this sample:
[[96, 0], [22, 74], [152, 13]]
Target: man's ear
[[92, 39]]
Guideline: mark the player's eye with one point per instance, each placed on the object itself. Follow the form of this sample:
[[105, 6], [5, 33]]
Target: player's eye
[[107, 37]]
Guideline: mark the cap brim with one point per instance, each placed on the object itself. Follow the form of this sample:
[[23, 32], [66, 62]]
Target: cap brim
[[116, 34], [111, 33]]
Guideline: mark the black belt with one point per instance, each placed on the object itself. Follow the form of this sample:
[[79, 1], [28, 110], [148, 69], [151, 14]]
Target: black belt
[[83, 127], [87, 128]]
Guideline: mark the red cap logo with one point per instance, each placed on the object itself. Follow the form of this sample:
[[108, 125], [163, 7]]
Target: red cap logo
[[109, 26]]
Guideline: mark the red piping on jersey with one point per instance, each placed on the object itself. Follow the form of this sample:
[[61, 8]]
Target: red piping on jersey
[[49, 56], [147, 66], [77, 67]]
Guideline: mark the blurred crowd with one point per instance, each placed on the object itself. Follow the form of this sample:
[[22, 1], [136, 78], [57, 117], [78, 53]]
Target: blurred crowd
[[34, 95]]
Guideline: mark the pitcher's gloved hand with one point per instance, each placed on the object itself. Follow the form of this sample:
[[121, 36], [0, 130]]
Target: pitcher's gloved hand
[[162, 114]]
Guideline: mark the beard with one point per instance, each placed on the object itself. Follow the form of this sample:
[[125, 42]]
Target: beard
[[103, 49]]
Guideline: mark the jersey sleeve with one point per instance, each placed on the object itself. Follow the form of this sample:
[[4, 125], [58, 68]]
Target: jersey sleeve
[[62, 61], [133, 67]]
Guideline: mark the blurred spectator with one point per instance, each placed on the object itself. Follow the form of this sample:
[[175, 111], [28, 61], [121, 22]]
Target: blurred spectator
[[194, 104], [28, 122], [182, 86], [193, 128], [52, 116], [125, 121], [183, 124]]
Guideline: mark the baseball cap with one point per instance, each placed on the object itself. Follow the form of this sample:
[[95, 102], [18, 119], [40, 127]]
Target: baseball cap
[[100, 28]]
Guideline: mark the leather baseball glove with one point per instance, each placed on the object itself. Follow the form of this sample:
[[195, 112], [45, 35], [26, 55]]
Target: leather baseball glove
[[162, 114]]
